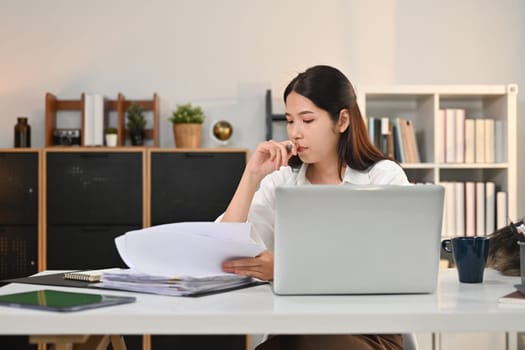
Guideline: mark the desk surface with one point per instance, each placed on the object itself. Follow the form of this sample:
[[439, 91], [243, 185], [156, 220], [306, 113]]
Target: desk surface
[[454, 307]]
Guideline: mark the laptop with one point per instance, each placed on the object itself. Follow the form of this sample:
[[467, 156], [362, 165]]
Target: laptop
[[357, 239]]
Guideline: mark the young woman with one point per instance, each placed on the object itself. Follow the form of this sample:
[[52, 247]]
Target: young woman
[[328, 144]]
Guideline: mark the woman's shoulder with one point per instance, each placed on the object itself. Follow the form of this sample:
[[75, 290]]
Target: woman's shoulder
[[386, 165], [387, 172]]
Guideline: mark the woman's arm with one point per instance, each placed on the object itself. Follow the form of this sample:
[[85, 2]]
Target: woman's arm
[[268, 157]]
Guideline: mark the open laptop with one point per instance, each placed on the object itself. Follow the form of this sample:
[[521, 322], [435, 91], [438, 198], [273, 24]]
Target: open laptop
[[357, 239]]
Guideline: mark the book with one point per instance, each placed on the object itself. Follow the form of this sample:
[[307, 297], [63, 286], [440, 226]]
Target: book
[[479, 127], [480, 209], [450, 136], [470, 141], [489, 141], [98, 120], [512, 298], [404, 140], [460, 208], [470, 208], [450, 207], [399, 138], [87, 276], [412, 142], [490, 207], [385, 133], [88, 122], [501, 209], [440, 136], [500, 142], [460, 136]]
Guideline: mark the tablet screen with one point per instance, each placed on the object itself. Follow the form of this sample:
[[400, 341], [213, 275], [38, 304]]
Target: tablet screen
[[54, 300]]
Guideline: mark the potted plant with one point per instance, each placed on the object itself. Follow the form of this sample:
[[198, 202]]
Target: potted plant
[[111, 137], [136, 124], [187, 125]]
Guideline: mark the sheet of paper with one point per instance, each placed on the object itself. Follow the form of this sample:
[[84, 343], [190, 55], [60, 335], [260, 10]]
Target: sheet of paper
[[195, 249]]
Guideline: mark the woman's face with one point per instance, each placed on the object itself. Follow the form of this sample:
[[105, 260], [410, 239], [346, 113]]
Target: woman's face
[[311, 129]]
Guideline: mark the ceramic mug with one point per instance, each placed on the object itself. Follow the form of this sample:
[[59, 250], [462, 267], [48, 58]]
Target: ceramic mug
[[470, 255]]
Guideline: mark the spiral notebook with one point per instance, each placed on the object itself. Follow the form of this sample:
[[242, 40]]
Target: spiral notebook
[[87, 276]]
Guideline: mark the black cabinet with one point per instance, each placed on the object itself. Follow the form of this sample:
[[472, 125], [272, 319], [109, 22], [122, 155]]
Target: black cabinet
[[91, 198], [18, 213], [19, 192], [193, 186]]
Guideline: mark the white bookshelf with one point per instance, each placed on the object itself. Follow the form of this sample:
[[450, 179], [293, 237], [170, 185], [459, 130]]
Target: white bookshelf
[[421, 105]]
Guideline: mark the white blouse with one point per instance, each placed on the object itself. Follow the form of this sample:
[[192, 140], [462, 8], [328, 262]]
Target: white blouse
[[261, 213]]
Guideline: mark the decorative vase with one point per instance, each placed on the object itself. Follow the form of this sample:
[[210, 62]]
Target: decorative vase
[[111, 140], [187, 135], [22, 133], [137, 137]]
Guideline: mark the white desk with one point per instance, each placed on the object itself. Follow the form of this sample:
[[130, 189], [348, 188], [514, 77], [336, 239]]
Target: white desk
[[453, 308]]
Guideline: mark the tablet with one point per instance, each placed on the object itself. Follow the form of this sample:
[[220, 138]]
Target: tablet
[[54, 300]]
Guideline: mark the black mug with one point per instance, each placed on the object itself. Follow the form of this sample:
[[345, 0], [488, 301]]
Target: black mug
[[470, 255]]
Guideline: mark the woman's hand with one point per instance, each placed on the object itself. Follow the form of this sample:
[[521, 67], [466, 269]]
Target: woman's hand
[[270, 156], [260, 267]]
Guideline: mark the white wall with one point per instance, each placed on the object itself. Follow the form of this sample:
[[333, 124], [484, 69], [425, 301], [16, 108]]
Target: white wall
[[223, 55]]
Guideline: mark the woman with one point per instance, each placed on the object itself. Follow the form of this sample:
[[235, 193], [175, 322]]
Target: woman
[[328, 144]]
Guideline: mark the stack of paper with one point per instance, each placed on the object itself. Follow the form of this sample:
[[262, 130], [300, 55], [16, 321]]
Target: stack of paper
[[181, 259], [179, 286]]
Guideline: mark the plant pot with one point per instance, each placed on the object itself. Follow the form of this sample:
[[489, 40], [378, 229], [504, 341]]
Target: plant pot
[[111, 140], [137, 137], [187, 135]]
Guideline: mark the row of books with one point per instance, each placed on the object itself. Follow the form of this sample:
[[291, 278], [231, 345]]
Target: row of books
[[93, 123], [395, 137], [463, 140], [473, 208]]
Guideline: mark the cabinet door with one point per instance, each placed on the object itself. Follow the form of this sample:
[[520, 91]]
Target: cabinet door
[[94, 188], [18, 251], [19, 188], [72, 247], [193, 186]]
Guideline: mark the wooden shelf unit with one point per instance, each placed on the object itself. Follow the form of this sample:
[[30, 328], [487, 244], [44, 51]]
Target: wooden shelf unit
[[53, 105], [121, 105]]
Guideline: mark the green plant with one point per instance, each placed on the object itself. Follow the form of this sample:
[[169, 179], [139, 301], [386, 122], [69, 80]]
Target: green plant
[[186, 113], [111, 131], [136, 120]]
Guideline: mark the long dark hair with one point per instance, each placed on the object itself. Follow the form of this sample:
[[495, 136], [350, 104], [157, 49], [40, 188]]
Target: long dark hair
[[330, 90]]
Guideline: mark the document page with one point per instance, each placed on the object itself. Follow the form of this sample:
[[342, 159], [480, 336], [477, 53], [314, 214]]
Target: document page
[[186, 249]]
